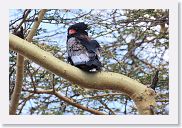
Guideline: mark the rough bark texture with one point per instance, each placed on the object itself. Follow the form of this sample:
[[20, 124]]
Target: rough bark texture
[[20, 67], [143, 97]]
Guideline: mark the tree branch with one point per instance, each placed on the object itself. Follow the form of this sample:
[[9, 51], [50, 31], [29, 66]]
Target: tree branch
[[25, 15], [20, 67], [67, 100], [143, 97]]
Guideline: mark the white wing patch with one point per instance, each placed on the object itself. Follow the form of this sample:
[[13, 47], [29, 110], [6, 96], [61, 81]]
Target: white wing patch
[[77, 52], [80, 59]]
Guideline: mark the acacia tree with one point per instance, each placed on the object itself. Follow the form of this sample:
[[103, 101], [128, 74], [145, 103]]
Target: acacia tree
[[134, 43]]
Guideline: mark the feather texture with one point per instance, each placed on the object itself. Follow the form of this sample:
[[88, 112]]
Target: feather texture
[[82, 52]]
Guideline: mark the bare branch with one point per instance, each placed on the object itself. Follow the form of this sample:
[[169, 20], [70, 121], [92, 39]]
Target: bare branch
[[67, 100], [20, 67]]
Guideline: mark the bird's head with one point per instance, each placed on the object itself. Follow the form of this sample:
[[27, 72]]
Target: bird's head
[[72, 31]]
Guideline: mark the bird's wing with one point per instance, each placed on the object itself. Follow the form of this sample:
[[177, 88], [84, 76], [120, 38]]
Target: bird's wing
[[92, 46], [95, 47]]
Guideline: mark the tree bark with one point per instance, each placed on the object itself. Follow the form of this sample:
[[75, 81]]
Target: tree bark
[[20, 67], [143, 96]]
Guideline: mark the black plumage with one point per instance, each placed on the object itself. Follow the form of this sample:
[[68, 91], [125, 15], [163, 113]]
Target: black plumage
[[20, 33], [83, 52], [155, 80]]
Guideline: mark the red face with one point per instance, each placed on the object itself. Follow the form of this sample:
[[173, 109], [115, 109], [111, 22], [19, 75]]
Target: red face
[[72, 31]]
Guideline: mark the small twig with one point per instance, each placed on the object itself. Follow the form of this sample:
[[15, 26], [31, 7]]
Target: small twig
[[67, 100], [25, 14], [24, 102], [110, 110]]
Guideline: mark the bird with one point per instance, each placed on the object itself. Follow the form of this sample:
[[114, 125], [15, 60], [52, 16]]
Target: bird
[[155, 80], [19, 33], [83, 52]]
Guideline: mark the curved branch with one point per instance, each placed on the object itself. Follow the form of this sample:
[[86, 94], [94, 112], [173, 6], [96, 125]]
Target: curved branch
[[143, 97]]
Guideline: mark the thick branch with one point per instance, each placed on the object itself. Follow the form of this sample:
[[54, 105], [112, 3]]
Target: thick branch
[[144, 97], [20, 67]]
